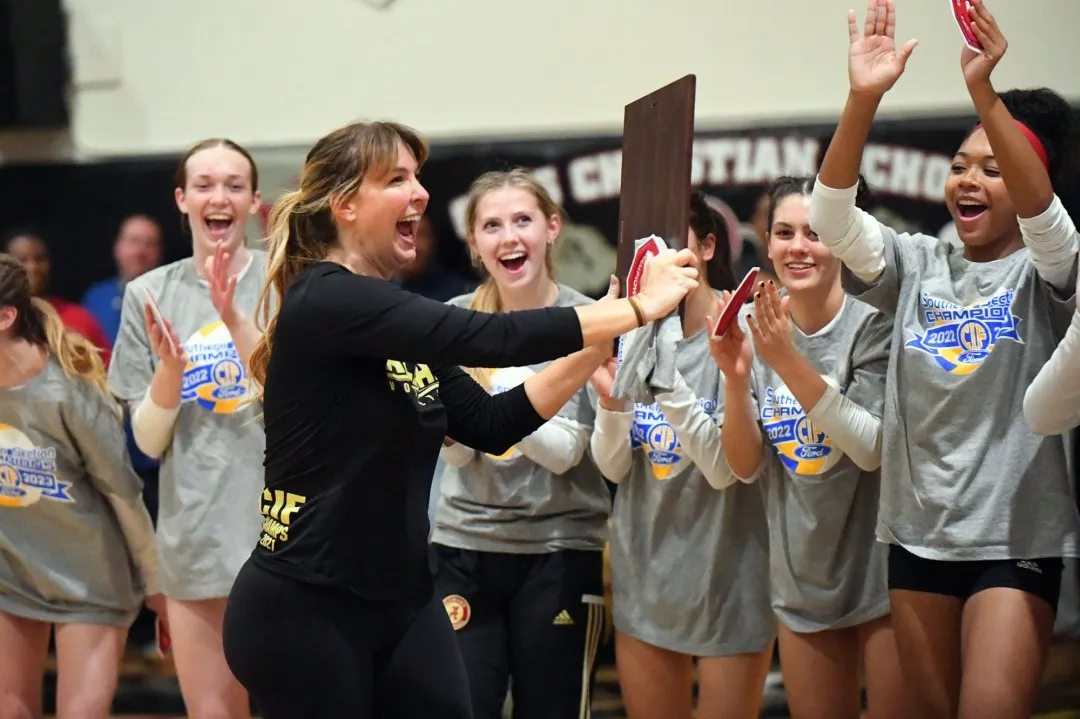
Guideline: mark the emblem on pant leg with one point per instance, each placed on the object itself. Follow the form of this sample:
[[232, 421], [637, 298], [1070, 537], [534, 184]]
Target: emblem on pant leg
[[458, 609], [563, 619]]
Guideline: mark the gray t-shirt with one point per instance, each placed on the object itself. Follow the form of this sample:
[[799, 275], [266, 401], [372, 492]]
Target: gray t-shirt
[[512, 504], [963, 476], [65, 476], [828, 572], [689, 564], [211, 476]]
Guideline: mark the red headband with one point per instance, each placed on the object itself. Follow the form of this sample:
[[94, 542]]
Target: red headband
[[1033, 140]]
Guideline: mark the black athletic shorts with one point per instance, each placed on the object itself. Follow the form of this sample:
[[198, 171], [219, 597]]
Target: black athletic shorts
[[1041, 577], [528, 622]]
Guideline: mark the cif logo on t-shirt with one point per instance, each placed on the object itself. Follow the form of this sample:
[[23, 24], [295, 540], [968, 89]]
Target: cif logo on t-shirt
[[800, 444], [961, 338], [501, 381], [652, 434], [28, 473], [214, 377]]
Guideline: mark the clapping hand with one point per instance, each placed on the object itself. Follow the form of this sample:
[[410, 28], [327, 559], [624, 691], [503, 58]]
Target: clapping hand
[[732, 352], [771, 327], [170, 353], [222, 286]]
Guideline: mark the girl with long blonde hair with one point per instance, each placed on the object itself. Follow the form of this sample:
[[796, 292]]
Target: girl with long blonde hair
[[519, 536]]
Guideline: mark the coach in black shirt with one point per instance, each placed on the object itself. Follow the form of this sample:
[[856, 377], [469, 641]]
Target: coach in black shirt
[[335, 614]]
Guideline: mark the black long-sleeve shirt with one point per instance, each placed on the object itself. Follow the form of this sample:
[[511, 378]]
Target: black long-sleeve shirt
[[362, 386]]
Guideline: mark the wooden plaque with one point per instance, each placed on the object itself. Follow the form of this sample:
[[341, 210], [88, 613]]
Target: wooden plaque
[[658, 140]]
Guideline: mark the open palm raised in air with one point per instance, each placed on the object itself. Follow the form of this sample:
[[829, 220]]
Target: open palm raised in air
[[874, 63]]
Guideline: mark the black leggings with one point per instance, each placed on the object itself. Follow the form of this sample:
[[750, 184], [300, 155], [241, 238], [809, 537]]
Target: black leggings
[[319, 653]]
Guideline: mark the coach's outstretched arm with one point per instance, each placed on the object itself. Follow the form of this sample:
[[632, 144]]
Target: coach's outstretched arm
[[369, 317], [494, 423]]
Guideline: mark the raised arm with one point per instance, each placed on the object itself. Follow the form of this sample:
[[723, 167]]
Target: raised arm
[[97, 432], [365, 316], [874, 65], [1022, 159]]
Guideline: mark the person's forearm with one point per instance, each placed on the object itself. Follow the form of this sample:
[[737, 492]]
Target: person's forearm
[[842, 161], [610, 444], [153, 418], [1025, 177], [804, 382], [740, 435], [604, 321], [166, 385], [245, 336], [551, 388], [613, 405]]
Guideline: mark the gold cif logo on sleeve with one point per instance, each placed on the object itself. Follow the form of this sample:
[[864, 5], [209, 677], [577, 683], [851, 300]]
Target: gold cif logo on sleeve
[[417, 381], [458, 609]]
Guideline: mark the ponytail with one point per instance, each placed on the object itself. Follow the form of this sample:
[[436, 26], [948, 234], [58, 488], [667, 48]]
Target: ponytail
[[281, 270], [78, 357]]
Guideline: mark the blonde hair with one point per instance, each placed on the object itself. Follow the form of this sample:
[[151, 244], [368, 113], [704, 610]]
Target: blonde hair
[[301, 230], [39, 324], [487, 297]]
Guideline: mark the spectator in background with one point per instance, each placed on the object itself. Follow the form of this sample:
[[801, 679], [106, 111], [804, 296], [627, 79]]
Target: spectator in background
[[426, 275], [755, 252], [30, 249], [137, 249]]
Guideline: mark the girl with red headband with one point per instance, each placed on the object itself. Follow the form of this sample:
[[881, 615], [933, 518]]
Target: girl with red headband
[[976, 508]]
